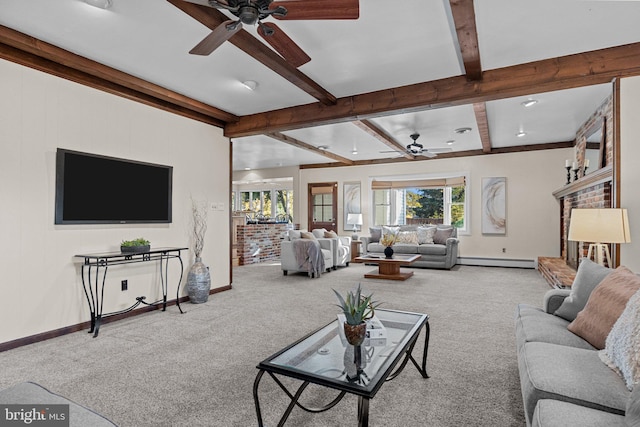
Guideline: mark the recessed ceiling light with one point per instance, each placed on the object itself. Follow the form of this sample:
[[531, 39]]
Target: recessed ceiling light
[[450, 142], [463, 130], [521, 134], [354, 151], [250, 84], [102, 4], [529, 102]]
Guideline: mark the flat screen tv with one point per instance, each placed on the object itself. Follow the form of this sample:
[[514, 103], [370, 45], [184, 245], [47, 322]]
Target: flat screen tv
[[94, 189]]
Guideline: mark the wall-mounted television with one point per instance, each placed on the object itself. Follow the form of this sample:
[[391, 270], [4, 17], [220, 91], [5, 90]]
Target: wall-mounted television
[[95, 189]]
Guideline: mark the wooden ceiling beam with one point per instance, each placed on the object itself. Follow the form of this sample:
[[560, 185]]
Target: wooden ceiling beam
[[450, 155], [378, 133], [480, 110], [464, 18], [584, 69], [45, 65], [299, 144], [253, 47], [27, 50]]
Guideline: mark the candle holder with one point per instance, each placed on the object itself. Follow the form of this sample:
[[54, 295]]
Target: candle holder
[[575, 174], [568, 168]]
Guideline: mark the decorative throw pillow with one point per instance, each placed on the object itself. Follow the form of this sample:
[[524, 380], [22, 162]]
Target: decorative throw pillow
[[319, 232], [307, 235], [622, 346], [330, 234], [589, 275], [407, 237], [425, 235], [390, 230], [294, 234], [442, 234], [375, 233], [605, 305]]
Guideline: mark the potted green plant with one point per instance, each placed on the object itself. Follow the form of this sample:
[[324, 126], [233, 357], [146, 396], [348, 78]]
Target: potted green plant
[[356, 308], [136, 245]]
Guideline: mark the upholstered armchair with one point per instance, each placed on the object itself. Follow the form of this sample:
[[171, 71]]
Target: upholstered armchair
[[341, 247], [289, 261], [342, 254]]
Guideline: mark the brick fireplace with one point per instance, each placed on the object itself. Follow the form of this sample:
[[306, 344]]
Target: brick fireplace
[[593, 190]]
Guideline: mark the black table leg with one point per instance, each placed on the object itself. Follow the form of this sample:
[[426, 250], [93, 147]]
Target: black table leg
[[363, 411], [179, 283]]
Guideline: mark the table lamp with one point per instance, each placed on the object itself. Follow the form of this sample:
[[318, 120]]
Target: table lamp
[[354, 219], [599, 226]]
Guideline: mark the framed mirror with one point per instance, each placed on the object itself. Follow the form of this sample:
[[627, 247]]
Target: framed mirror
[[595, 148]]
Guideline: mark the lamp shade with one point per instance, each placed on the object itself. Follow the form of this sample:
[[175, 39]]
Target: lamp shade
[[354, 219], [599, 225]]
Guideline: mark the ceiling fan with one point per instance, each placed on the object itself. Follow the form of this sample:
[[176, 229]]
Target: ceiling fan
[[252, 12], [417, 149]]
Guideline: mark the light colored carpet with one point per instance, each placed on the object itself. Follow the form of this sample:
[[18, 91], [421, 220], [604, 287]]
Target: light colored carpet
[[197, 369]]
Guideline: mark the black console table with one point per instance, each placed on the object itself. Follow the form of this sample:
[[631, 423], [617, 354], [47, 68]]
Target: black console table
[[96, 265]]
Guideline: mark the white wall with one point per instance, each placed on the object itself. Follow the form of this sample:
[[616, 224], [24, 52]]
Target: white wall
[[629, 172], [40, 283], [533, 213]]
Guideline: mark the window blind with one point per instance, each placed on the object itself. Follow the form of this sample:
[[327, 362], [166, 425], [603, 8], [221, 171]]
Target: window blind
[[419, 183]]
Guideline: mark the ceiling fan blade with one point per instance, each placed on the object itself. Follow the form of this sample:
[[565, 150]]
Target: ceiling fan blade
[[428, 154], [441, 150], [221, 34], [281, 42], [318, 9]]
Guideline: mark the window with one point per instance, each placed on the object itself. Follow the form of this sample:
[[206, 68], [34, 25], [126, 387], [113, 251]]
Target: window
[[284, 204], [261, 203], [432, 201]]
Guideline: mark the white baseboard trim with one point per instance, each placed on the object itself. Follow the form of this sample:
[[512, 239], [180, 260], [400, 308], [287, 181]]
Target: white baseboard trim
[[498, 262]]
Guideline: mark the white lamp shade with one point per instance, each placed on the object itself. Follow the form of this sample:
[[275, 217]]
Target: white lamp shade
[[354, 219], [599, 226]]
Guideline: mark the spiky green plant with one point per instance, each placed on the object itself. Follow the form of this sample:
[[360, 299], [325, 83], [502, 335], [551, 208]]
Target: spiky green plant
[[356, 307]]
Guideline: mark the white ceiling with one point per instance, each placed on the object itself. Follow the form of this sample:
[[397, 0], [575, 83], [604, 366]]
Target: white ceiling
[[392, 44]]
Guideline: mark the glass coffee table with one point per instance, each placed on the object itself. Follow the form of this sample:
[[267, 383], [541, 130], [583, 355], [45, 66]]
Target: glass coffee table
[[325, 358]]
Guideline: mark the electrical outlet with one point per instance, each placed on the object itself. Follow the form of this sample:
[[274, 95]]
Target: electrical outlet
[[504, 250], [125, 285]]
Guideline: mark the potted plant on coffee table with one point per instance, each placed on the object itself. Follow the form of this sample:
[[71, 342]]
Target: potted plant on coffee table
[[356, 308]]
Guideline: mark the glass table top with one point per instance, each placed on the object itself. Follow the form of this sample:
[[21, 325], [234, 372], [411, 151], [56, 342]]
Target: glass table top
[[324, 357]]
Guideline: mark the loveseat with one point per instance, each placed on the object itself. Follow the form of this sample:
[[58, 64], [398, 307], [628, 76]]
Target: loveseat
[[436, 245], [567, 381]]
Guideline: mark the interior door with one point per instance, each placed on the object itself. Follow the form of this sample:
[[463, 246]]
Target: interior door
[[323, 206]]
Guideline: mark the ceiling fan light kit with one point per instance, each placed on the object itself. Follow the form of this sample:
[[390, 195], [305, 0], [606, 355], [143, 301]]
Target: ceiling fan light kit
[[252, 12]]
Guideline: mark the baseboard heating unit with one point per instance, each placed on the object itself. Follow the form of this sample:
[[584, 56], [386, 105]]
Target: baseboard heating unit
[[497, 262]]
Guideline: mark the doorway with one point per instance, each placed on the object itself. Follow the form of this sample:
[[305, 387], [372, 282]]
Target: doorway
[[323, 206]]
